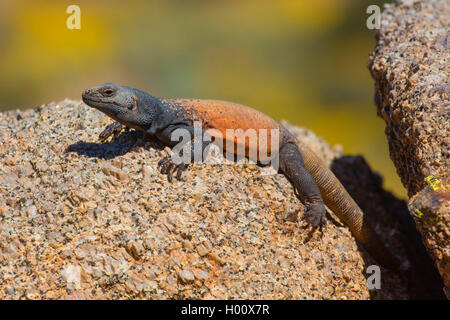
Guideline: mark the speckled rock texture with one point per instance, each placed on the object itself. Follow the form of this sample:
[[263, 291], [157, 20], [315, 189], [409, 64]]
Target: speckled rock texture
[[410, 65], [80, 219]]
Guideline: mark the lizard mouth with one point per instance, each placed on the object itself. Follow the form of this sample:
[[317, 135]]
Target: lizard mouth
[[96, 103], [109, 108], [86, 99], [92, 102]]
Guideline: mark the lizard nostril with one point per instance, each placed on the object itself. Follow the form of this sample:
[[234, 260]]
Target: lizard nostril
[[86, 94]]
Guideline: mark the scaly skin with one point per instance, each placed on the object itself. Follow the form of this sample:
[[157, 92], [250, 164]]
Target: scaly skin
[[159, 118]]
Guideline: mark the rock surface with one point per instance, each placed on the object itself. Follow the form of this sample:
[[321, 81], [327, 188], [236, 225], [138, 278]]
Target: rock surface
[[410, 65], [81, 219], [432, 215]]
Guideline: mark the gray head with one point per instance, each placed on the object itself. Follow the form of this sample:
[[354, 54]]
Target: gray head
[[129, 106]]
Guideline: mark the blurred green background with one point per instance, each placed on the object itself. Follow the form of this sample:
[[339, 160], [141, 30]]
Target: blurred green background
[[300, 60]]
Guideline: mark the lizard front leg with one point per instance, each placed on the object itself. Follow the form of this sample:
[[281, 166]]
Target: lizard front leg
[[113, 129], [188, 151]]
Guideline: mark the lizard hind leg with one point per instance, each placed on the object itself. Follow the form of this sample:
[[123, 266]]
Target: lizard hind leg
[[291, 164]]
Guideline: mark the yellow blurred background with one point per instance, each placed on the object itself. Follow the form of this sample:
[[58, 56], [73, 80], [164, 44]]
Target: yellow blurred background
[[300, 60]]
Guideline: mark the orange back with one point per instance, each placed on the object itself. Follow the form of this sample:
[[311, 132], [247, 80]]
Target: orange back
[[218, 116]]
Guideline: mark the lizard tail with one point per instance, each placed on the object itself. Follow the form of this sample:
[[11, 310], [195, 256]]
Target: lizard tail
[[341, 203]]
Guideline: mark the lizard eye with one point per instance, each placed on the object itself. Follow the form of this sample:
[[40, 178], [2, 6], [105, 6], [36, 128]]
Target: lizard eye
[[108, 92]]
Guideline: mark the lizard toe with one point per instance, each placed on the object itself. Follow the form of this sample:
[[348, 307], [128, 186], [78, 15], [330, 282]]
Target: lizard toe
[[163, 160], [180, 170], [172, 167], [165, 166], [105, 134]]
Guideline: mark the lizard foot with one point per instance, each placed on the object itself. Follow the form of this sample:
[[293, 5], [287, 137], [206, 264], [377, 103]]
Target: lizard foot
[[168, 167], [314, 218], [113, 129], [314, 214]]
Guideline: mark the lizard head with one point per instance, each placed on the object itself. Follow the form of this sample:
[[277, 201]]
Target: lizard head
[[123, 104], [110, 99]]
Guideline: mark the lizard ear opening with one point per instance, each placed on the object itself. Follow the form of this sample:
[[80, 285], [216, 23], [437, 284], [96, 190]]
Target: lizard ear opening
[[135, 105]]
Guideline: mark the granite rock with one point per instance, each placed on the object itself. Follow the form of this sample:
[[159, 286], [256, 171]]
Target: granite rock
[[431, 208], [410, 65], [80, 219]]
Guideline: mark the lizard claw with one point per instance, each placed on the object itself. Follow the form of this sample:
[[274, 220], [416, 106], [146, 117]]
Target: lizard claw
[[168, 167]]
